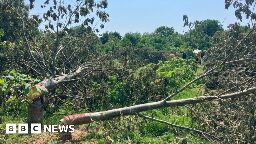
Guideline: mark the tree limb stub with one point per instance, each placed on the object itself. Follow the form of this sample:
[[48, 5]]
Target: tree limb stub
[[86, 118]]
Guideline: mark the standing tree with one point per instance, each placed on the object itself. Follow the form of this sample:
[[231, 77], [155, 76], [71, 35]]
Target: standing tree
[[200, 37]]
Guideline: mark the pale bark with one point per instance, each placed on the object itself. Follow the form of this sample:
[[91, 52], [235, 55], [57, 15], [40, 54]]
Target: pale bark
[[109, 114]]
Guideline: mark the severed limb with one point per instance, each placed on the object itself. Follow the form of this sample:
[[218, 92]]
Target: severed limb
[[86, 118]]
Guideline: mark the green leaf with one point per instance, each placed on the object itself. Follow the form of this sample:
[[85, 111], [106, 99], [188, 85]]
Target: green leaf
[[2, 81]]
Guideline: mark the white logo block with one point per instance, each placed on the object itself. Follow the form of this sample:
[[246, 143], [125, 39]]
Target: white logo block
[[10, 129], [36, 128], [23, 128]]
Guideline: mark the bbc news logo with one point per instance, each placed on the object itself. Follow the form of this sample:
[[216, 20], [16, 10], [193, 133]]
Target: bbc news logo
[[37, 128]]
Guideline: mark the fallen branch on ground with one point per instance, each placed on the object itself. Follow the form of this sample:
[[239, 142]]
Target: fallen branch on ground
[[86, 118]]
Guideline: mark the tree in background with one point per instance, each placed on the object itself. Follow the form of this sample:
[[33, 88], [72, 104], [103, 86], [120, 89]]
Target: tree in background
[[14, 18], [200, 37], [131, 39], [164, 31], [110, 41], [109, 35], [162, 39]]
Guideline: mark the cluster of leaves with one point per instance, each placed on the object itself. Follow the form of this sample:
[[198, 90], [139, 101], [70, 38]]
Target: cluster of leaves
[[242, 8], [14, 18], [59, 15], [200, 37], [14, 89], [3, 47]]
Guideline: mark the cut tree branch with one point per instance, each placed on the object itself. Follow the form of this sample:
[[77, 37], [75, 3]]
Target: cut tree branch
[[53, 82], [110, 114]]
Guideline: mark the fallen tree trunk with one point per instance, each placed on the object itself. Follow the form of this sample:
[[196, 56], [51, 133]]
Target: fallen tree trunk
[[86, 118]]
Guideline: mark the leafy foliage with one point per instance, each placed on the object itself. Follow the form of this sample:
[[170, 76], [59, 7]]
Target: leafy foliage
[[14, 20], [200, 37], [242, 8], [14, 89]]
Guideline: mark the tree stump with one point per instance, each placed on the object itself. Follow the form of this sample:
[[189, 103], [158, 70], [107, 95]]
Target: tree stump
[[35, 111]]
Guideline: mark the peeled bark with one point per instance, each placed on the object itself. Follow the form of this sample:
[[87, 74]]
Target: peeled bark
[[86, 118]]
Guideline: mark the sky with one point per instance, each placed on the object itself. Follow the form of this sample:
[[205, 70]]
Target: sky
[[146, 15]]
